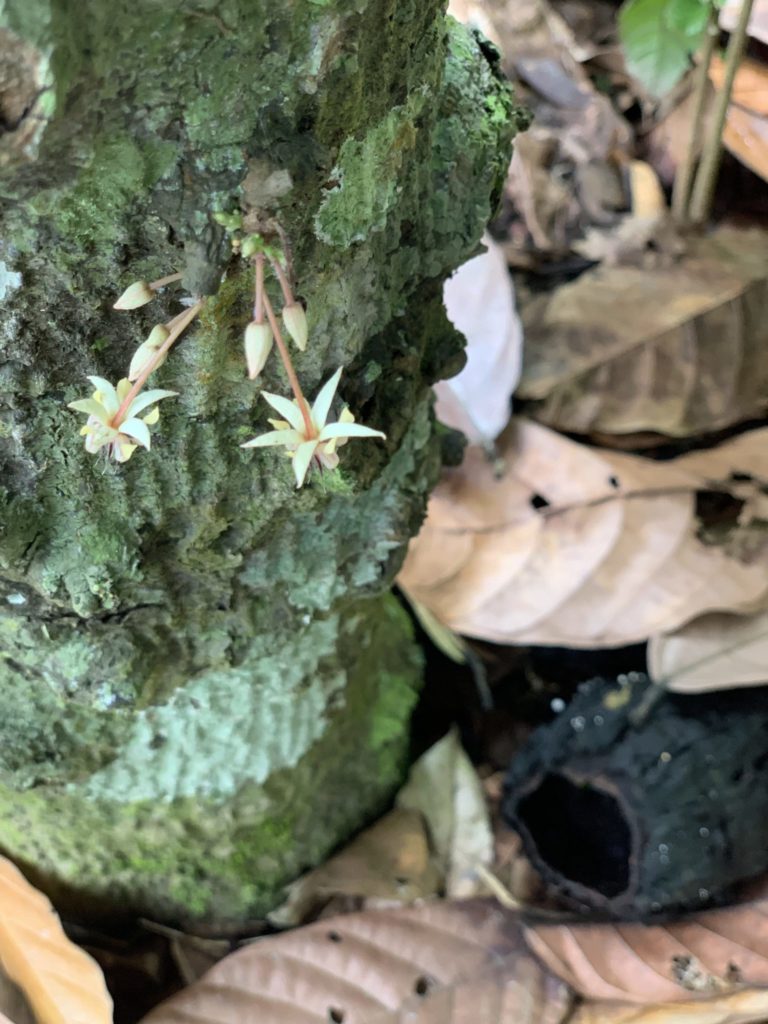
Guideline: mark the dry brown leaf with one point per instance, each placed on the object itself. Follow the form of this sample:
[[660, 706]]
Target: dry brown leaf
[[61, 982], [677, 349], [746, 130], [750, 86], [573, 546], [390, 860], [709, 954], [714, 652], [748, 1007], [443, 787], [377, 966]]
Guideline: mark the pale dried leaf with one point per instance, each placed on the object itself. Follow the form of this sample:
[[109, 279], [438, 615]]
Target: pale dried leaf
[[714, 652], [443, 786], [573, 546], [480, 302], [758, 18], [747, 1007], [709, 954], [13, 1003], [61, 982], [677, 349], [368, 967], [390, 860]]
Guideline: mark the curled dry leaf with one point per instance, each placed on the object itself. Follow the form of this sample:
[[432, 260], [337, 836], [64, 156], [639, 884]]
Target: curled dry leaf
[[61, 982], [677, 349], [573, 546], [480, 302], [747, 1007], [443, 786], [390, 860], [714, 652], [379, 966], [709, 954]]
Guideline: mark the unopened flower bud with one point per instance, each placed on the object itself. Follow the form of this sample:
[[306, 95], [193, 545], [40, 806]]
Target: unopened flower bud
[[295, 320], [137, 294], [258, 345], [148, 350]]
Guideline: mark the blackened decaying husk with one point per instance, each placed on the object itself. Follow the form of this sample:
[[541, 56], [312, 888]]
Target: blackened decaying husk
[[635, 808]]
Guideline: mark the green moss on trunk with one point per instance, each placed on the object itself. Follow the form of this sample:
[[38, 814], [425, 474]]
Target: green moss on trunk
[[202, 690]]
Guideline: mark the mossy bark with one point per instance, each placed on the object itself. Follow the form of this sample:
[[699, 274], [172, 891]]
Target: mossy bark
[[202, 688]]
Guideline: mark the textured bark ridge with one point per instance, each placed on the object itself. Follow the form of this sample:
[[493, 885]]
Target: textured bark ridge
[[202, 688]]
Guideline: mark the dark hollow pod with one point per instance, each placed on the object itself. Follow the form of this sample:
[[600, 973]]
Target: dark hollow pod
[[637, 809]]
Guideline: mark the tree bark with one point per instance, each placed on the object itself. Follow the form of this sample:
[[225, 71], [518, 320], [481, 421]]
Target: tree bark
[[204, 685]]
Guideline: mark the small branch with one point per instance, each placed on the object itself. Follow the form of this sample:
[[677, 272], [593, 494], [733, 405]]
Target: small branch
[[681, 191], [706, 178]]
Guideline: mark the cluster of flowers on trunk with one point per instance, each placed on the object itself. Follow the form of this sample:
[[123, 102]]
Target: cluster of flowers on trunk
[[114, 422]]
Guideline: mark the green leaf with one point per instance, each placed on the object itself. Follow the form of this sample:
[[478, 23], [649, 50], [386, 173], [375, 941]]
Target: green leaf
[[659, 37], [689, 18]]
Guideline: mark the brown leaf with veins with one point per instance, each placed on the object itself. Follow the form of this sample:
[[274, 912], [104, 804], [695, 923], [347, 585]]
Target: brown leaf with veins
[[447, 963], [577, 546], [675, 349], [709, 954], [747, 1007]]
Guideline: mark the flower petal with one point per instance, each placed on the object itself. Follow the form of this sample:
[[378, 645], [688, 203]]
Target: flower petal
[[348, 430], [322, 405], [138, 430], [92, 407], [123, 450], [275, 437], [286, 408], [108, 394], [302, 459], [147, 398]]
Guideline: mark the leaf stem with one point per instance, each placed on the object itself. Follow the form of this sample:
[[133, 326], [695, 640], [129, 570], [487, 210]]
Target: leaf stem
[[681, 191], [706, 177]]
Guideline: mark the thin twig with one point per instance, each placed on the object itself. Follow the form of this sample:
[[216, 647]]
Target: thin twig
[[706, 178], [681, 191]]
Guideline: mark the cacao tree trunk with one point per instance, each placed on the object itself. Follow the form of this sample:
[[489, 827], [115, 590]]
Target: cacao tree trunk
[[203, 683]]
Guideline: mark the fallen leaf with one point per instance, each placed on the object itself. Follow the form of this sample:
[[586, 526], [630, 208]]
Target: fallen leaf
[[480, 302], [13, 1003], [714, 652], [61, 982], [443, 786], [677, 349], [708, 954], [747, 1007], [749, 85], [409, 964], [390, 860], [575, 546], [746, 129]]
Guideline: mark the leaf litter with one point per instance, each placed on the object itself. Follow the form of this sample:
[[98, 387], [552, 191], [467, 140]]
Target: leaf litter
[[577, 546]]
